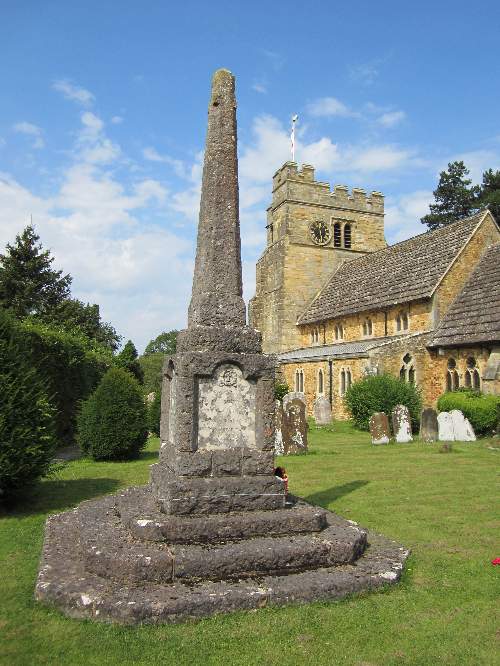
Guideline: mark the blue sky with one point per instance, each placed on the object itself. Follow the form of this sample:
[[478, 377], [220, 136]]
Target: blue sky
[[103, 118]]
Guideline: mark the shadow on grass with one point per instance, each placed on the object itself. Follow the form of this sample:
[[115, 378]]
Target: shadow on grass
[[59, 494], [325, 497]]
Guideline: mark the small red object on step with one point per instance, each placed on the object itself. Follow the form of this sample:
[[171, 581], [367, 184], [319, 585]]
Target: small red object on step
[[496, 560]]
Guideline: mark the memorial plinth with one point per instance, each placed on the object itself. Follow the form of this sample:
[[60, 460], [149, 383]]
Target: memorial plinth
[[213, 531]]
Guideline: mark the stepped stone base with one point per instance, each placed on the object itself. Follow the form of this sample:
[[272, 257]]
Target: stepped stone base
[[120, 559]]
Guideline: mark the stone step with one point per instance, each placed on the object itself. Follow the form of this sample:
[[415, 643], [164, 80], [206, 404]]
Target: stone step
[[139, 513], [62, 582], [107, 550]]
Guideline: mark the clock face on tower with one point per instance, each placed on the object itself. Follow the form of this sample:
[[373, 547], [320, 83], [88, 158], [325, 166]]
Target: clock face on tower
[[320, 233]]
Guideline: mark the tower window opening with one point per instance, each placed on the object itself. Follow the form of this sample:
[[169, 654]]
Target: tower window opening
[[347, 236], [337, 237]]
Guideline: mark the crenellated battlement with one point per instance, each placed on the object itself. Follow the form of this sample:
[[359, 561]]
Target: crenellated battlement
[[292, 183]]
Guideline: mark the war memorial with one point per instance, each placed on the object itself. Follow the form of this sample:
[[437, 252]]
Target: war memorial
[[213, 531]]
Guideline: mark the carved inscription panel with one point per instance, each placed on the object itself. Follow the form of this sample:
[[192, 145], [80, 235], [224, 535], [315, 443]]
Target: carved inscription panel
[[226, 409]]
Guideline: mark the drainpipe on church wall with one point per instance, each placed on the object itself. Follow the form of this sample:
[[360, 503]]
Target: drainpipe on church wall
[[330, 374]]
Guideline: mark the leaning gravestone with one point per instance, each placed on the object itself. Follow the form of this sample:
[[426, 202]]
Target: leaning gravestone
[[401, 424], [379, 428], [294, 427], [445, 425], [462, 428], [211, 532], [429, 429], [322, 411], [278, 427]]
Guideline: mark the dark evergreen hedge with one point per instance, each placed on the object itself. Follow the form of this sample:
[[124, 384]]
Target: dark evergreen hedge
[[381, 393], [112, 423], [27, 437], [72, 367]]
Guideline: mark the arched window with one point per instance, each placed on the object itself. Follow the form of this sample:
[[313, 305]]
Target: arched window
[[407, 372], [472, 378], [452, 378], [299, 381], [314, 336], [342, 382], [320, 382], [339, 332], [348, 379], [337, 236], [347, 235], [402, 321], [345, 380], [367, 327]]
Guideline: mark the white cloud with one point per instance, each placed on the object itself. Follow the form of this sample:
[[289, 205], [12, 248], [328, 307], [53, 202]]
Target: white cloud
[[391, 118], [328, 107], [403, 213], [30, 130], [74, 93], [378, 158], [366, 73], [477, 161], [96, 147], [116, 120], [259, 87]]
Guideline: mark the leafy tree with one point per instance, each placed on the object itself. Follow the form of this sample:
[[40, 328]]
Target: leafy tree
[[165, 343], [455, 197], [152, 366], [27, 440], [112, 424], [74, 315], [28, 283], [490, 192], [128, 360]]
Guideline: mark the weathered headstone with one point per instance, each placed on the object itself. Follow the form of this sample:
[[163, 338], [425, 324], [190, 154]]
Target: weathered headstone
[[322, 411], [462, 428], [379, 428], [294, 427], [211, 532], [445, 426], [401, 424], [294, 395], [278, 426], [429, 428]]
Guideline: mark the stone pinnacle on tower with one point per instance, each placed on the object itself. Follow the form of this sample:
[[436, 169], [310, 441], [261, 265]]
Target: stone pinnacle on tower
[[217, 285]]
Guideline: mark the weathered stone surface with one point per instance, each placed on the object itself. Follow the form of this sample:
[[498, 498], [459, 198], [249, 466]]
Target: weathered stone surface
[[401, 424], [379, 428], [294, 427], [445, 425], [462, 428], [293, 395], [322, 411], [63, 583], [278, 426], [429, 428]]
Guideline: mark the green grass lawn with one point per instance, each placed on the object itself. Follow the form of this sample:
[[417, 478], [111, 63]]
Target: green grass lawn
[[445, 611]]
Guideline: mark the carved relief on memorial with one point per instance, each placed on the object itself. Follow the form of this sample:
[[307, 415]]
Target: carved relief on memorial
[[226, 409]]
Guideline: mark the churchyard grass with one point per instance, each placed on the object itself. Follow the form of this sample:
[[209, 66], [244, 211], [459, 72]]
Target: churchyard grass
[[444, 506]]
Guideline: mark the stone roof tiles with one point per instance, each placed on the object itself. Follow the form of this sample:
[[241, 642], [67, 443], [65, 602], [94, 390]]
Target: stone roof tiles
[[404, 272], [474, 316], [338, 350]]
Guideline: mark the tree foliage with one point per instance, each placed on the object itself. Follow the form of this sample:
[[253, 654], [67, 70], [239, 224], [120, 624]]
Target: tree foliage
[[152, 366], [154, 414], [456, 197], [27, 437], [128, 360], [483, 411], [381, 393], [165, 343], [112, 424], [28, 283]]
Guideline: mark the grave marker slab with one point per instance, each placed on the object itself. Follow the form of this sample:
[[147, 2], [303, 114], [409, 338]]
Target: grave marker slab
[[379, 428], [294, 427], [445, 425], [429, 427], [322, 411], [401, 424]]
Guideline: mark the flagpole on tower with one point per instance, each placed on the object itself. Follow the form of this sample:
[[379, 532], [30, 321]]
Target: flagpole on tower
[[295, 117]]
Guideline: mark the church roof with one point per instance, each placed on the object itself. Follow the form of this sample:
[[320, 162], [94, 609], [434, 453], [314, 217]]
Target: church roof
[[407, 271], [474, 316], [337, 350]]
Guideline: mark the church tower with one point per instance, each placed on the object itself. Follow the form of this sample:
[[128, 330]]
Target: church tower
[[311, 230]]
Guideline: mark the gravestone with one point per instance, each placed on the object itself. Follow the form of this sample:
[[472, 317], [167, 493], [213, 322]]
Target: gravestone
[[294, 427], [379, 428], [294, 395], [429, 428], [462, 428], [445, 427], [322, 411], [278, 426], [401, 424], [211, 532]]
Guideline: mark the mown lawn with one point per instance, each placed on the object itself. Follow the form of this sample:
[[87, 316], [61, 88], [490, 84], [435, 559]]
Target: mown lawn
[[446, 610]]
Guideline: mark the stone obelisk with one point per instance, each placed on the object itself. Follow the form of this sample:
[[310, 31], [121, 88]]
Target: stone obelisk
[[217, 395]]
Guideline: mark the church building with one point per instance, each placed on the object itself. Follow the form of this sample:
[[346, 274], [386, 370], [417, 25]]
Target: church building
[[335, 302]]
